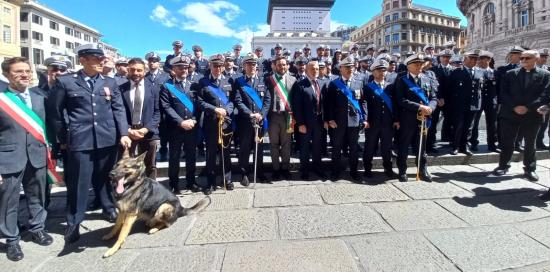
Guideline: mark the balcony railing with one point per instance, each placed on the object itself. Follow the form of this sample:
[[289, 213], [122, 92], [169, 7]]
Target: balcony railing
[[519, 30]]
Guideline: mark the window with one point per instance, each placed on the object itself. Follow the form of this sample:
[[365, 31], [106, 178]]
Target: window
[[38, 55], [69, 45], [404, 3], [87, 37], [395, 16], [7, 10], [78, 34], [95, 40], [24, 17], [54, 25], [387, 19], [37, 36], [404, 36], [396, 28], [388, 29], [395, 37], [395, 4], [24, 34], [387, 39], [25, 52], [54, 41], [6, 34], [524, 18], [36, 19], [69, 31], [76, 45], [403, 15], [387, 6]]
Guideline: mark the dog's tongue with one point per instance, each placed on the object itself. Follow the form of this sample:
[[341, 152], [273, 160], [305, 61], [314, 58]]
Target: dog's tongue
[[120, 186]]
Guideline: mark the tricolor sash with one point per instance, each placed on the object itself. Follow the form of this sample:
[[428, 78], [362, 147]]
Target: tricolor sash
[[351, 98], [219, 93], [378, 91], [282, 92], [31, 122], [254, 96], [420, 94], [181, 96]]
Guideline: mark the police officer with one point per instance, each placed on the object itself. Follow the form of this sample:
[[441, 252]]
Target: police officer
[[300, 66], [121, 66], [201, 63], [306, 50], [96, 118], [263, 63], [415, 97], [230, 70], [214, 98], [488, 104], [466, 85], [364, 66], [523, 91], [176, 46], [542, 64], [57, 66], [155, 75], [252, 100], [429, 52], [443, 72], [354, 51], [181, 110], [381, 119], [427, 71], [345, 113], [238, 59]]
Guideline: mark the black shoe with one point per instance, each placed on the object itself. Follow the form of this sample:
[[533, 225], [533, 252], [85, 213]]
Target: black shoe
[[193, 187], [320, 174], [244, 181], [519, 148], [208, 190], [335, 176], [531, 175], [500, 171], [545, 196], [403, 177], [474, 148], [389, 173], [454, 152], [42, 238], [304, 176], [276, 176], [15, 253], [467, 152], [367, 174], [72, 234], [229, 186], [261, 178], [431, 149], [286, 175], [541, 146], [355, 176], [494, 149], [110, 216], [425, 176]]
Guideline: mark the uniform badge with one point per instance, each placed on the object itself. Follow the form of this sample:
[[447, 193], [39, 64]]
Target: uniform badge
[[262, 94], [460, 84], [357, 94], [107, 93]]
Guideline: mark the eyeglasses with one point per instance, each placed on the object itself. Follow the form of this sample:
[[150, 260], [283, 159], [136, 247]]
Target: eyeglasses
[[58, 69], [526, 58]]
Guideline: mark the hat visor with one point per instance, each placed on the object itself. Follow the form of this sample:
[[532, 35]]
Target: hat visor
[[416, 61]]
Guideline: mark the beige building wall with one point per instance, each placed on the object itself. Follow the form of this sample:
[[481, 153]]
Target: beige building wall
[[10, 42]]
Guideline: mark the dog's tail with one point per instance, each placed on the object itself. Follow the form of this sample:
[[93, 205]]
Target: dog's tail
[[200, 206]]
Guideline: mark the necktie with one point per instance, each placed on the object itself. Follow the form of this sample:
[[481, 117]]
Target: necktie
[[91, 83], [138, 102], [318, 95], [416, 80]]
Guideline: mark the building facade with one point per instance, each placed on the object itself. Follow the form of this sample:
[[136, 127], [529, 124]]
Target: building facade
[[403, 26], [9, 22], [45, 32], [496, 25]]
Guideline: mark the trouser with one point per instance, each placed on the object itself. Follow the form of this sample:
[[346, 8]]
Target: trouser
[[85, 168], [311, 144], [163, 134], [149, 146], [213, 148], [463, 125], [344, 134], [247, 143], [432, 131], [447, 129], [409, 134], [382, 134], [542, 130], [188, 140], [529, 132], [490, 110], [34, 184], [279, 140]]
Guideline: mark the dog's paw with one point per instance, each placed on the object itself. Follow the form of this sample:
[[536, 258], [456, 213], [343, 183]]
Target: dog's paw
[[109, 253], [153, 230], [108, 236]]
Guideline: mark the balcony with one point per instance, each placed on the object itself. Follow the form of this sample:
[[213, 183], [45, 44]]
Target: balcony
[[520, 30]]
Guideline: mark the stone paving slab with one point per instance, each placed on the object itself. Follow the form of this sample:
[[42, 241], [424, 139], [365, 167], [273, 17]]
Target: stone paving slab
[[544, 163], [515, 168], [500, 209], [536, 229], [431, 190], [497, 185], [400, 252], [352, 193], [314, 256], [416, 215], [90, 260], [237, 199], [463, 170], [488, 248], [234, 226], [329, 221], [33, 258], [194, 258], [175, 235], [288, 196]]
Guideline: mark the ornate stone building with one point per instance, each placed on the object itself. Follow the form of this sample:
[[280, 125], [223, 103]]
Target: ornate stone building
[[496, 25], [404, 26]]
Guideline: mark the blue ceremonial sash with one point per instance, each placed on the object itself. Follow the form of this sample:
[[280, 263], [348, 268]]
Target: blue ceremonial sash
[[254, 95], [181, 96], [219, 93], [420, 93], [380, 93], [349, 94]]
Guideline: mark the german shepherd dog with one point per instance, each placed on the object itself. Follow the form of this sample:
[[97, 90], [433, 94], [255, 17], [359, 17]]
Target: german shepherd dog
[[141, 198]]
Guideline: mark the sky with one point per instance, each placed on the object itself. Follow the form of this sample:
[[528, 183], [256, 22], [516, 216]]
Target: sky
[[136, 27]]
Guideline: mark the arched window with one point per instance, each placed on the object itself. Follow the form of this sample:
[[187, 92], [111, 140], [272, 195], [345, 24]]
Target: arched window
[[489, 19], [489, 9]]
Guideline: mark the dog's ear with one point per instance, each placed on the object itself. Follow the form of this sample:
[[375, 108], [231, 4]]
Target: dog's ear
[[126, 153], [141, 157]]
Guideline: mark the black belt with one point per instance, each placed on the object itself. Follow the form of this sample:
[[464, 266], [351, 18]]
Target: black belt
[[137, 127]]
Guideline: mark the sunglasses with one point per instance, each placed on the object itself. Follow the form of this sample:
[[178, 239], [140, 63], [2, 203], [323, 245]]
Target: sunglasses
[[526, 58], [58, 69]]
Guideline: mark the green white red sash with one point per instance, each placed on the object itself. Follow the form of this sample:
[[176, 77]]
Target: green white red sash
[[29, 120], [282, 92]]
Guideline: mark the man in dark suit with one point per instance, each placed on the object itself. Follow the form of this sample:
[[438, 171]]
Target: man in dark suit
[[252, 100], [23, 156], [381, 118], [345, 113], [214, 98], [141, 101], [180, 106], [415, 97], [466, 84], [95, 124], [307, 103], [523, 91], [200, 62], [156, 77], [442, 72], [544, 52]]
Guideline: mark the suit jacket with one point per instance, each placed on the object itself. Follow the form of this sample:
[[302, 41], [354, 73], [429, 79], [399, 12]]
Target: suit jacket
[[96, 118], [408, 102], [466, 89], [500, 73], [158, 80], [514, 93], [150, 111], [244, 102], [208, 101], [176, 112], [16, 145], [304, 103], [443, 75], [202, 65], [339, 109], [489, 87], [288, 81]]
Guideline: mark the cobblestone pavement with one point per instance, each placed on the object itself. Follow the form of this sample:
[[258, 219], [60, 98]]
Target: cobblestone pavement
[[464, 221]]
